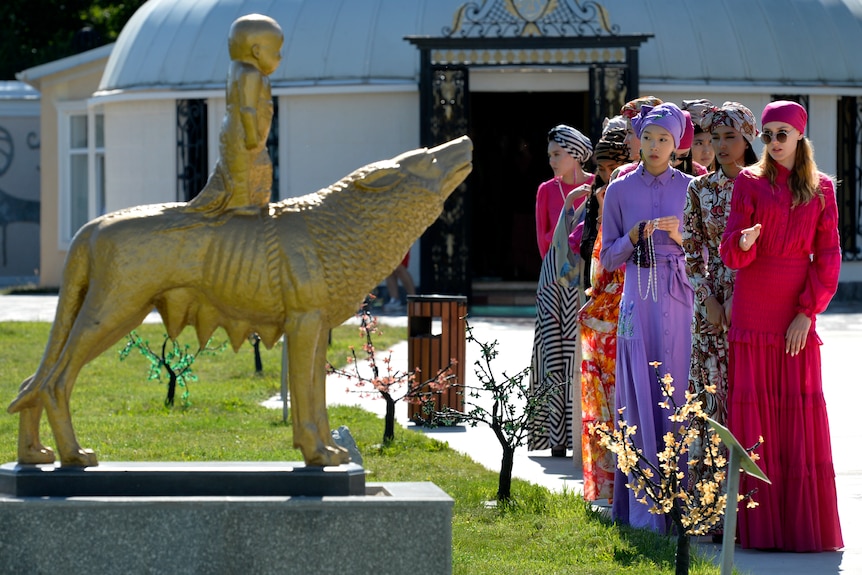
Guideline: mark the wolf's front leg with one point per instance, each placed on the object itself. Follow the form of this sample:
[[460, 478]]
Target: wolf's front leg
[[307, 340]]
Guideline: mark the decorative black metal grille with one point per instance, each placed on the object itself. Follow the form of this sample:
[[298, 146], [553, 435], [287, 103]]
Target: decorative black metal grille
[[501, 32], [272, 149], [446, 244], [192, 168], [608, 93], [514, 18]]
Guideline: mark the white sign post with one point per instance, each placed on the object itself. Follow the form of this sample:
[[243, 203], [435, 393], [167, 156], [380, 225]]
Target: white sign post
[[739, 461]]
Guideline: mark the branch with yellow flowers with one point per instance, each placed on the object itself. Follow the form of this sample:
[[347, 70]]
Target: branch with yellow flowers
[[660, 480]]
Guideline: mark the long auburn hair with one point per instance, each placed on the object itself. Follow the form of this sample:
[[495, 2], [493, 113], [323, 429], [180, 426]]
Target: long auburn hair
[[804, 180]]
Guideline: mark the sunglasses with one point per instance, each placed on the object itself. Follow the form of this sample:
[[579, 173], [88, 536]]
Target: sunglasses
[[780, 137]]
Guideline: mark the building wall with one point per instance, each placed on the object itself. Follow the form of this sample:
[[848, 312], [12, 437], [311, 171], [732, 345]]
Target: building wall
[[140, 153], [19, 192], [324, 137], [76, 84]]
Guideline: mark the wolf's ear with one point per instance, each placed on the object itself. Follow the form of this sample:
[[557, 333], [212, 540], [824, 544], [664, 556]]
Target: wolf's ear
[[381, 179]]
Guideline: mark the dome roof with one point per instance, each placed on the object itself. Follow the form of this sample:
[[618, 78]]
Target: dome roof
[[182, 44]]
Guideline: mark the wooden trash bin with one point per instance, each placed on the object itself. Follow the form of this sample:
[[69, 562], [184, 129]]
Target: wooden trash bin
[[436, 333]]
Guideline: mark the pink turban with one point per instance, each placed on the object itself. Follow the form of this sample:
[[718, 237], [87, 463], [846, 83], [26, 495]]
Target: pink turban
[[786, 112]]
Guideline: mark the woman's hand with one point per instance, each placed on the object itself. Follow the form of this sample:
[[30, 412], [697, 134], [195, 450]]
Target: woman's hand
[[669, 224], [728, 307], [748, 237], [797, 334], [715, 316], [635, 232], [600, 198]]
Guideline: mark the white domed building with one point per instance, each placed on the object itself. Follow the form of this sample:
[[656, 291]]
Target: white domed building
[[138, 121]]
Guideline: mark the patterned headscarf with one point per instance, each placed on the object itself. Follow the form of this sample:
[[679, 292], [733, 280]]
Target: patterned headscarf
[[615, 123], [631, 109], [612, 146], [667, 115], [697, 108], [731, 114], [571, 140]]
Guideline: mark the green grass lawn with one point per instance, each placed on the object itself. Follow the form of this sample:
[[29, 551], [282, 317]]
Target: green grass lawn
[[121, 415]]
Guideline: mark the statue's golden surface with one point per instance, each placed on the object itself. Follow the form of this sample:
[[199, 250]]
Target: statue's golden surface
[[295, 268]]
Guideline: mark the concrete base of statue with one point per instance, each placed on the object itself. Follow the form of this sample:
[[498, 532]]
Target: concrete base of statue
[[389, 528]]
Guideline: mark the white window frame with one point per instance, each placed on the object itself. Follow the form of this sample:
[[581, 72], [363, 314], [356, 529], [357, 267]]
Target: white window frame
[[95, 167]]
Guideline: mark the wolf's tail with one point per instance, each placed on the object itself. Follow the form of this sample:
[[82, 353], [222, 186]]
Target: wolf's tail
[[73, 290]]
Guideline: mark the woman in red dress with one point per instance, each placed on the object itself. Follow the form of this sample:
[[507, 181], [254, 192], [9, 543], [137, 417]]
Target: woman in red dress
[[782, 237]]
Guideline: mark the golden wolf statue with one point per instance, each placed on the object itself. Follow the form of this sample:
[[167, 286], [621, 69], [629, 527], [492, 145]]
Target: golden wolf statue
[[296, 268]]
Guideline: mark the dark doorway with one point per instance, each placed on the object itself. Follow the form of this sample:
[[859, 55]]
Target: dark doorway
[[510, 160]]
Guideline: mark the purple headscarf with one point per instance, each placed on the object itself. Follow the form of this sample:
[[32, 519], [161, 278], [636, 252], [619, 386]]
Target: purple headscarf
[[667, 116]]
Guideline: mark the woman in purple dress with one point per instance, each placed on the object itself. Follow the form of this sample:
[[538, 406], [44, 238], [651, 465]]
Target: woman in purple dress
[[642, 228]]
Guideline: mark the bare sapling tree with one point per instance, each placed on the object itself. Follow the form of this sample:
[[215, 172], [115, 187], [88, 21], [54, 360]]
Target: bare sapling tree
[[391, 385], [505, 404]]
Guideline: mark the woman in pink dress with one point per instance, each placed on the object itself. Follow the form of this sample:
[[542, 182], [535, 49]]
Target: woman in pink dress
[[782, 237], [568, 151]]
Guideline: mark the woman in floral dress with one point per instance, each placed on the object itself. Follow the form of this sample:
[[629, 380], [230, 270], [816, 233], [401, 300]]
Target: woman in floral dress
[[598, 320], [733, 129]]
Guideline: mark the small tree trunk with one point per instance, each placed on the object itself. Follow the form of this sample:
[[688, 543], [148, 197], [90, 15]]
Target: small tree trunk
[[258, 362], [389, 420], [504, 486], [683, 548], [172, 385]]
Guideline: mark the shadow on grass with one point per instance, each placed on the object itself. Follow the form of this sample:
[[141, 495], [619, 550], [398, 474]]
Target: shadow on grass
[[30, 289], [642, 543]]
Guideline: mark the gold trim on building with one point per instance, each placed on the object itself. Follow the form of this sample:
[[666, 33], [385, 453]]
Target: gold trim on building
[[526, 57]]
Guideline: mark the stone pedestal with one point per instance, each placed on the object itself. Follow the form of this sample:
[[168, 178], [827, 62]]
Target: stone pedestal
[[181, 479], [393, 528]]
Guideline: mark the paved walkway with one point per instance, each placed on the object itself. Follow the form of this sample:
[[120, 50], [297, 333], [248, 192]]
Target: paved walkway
[[841, 331]]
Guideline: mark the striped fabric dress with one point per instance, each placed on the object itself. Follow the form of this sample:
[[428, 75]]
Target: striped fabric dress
[[556, 341]]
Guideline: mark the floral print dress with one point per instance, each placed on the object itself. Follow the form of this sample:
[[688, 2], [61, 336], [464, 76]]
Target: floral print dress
[[706, 209], [598, 319]]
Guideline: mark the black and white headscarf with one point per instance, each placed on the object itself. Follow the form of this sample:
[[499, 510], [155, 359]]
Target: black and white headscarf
[[575, 143]]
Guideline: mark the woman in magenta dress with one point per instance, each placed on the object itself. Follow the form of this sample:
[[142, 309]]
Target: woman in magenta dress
[[644, 208], [782, 237]]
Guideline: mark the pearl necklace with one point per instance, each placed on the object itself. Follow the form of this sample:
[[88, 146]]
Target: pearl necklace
[[652, 275]]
